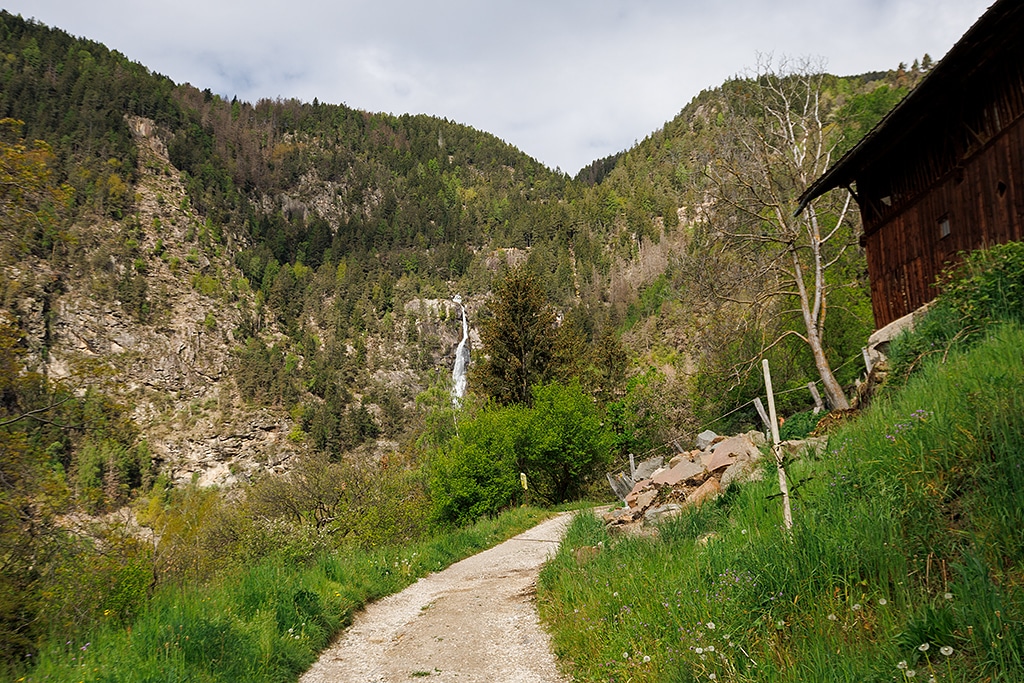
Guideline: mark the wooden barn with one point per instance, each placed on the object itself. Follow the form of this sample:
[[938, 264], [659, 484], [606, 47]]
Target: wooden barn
[[943, 172]]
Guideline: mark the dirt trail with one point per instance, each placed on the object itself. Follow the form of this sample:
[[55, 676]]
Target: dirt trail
[[474, 622]]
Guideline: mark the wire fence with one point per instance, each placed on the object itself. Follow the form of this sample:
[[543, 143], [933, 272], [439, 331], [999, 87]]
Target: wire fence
[[674, 441]]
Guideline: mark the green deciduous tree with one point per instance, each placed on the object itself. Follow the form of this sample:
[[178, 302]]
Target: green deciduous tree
[[560, 443], [476, 473], [567, 442], [30, 200]]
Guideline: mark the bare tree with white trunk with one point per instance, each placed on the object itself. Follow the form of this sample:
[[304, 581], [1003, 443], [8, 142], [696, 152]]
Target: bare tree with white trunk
[[776, 143]]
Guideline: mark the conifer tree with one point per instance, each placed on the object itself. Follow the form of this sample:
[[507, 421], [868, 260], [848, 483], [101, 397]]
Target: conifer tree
[[519, 340]]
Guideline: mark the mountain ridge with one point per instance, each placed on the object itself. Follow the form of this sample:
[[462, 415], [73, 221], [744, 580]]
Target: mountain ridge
[[309, 233]]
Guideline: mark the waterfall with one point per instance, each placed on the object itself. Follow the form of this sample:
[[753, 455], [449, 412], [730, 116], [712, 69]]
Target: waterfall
[[461, 358]]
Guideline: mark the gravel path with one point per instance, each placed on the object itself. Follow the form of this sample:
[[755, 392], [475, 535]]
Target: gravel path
[[474, 622]]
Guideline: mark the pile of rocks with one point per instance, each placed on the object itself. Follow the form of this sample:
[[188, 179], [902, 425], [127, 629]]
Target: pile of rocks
[[657, 492]]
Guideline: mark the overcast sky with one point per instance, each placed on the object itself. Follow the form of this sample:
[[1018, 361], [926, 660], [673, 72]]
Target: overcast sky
[[566, 81]]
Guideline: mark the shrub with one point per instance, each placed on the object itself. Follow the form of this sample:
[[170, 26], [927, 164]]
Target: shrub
[[799, 425], [476, 473], [560, 444], [989, 286], [567, 442]]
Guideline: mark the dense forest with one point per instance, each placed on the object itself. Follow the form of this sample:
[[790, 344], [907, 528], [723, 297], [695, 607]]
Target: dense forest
[[326, 243]]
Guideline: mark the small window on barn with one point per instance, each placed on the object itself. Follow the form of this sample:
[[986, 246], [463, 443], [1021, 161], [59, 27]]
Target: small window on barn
[[944, 226]]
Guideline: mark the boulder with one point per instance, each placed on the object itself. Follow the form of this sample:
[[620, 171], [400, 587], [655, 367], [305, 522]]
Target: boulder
[[708, 490], [638, 488], [662, 513], [647, 468], [585, 553], [636, 528], [616, 514], [683, 471], [644, 500], [705, 438], [740, 447], [796, 448], [708, 538], [741, 471], [757, 438], [717, 460]]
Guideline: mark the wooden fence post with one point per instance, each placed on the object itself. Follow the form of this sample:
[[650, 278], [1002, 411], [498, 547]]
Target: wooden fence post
[[764, 417], [787, 513], [818, 405]]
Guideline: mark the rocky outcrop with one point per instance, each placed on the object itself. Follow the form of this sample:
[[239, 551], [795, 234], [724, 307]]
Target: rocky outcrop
[[692, 478], [144, 309]]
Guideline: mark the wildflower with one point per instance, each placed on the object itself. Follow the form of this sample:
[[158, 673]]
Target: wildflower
[[856, 607], [711, 625], [946, 650], [883, 602], [832, 617], [647, 658], [902, 665], [712, 677], [699, 650], [910, 673], [711, 648], [779, 624], [615, 594], [744, 532], [625, 655], [923, 647], [948, 596]]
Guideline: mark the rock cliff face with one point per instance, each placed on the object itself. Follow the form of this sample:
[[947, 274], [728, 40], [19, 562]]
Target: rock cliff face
[[145, 309]]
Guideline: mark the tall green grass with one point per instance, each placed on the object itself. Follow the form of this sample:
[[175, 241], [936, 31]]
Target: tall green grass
[[906, 560], [987, 288], [265, 623]]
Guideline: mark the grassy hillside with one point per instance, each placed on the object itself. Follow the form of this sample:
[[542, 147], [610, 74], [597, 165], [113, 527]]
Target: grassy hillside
[[906, 556]]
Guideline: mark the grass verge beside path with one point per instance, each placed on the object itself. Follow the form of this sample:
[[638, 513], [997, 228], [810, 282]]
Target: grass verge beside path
[[267, 623], [906, 560]]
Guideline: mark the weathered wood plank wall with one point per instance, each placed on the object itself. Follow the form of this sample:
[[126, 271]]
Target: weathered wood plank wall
[[983, 201]]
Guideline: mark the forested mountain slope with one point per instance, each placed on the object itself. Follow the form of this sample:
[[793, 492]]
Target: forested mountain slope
[[215, 255], [294, 261]]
